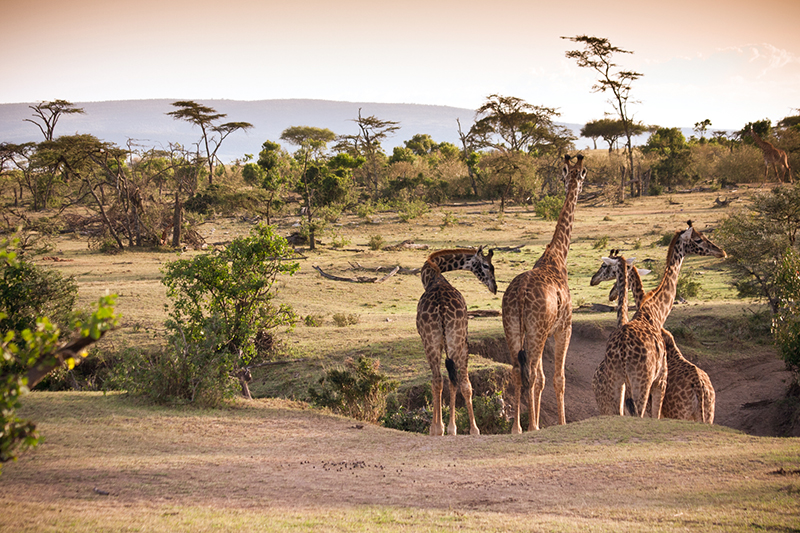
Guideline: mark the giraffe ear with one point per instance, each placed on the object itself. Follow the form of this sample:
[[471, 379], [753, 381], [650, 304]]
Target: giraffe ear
[[608, 261], [630, 260], [643, 271]]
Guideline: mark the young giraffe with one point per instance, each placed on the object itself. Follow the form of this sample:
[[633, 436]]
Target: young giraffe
[[635, 352], [442, 325], [774, 157], [537, 304], [689, 394]]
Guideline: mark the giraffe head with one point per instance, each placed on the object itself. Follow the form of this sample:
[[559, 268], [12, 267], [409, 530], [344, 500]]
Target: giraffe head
[[691, 241], [608, 272], [481, 265], [573, 171]]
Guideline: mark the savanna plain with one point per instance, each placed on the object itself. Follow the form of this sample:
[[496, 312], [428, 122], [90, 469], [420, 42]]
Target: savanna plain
[[111, 462]]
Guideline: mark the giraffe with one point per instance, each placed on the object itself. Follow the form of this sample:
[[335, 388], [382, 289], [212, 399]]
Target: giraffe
[[537, 304], [689, 394], [774, 157], [636, 351], [442, 325]]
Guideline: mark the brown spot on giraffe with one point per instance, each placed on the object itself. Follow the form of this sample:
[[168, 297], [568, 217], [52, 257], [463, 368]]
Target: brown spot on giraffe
[[689, 394], [636, 352], [442, 326], [537, 304]]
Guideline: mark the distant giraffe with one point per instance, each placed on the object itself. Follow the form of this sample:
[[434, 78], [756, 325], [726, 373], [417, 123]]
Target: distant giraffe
[[773, 157], [689, 394], [537, 304], [636, 352], [442, 325]]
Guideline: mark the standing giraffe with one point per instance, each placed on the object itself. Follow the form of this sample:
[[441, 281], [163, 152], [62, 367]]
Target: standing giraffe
[[689, 394], [636, 352], [537, 304], [773, 157], [442, 325]]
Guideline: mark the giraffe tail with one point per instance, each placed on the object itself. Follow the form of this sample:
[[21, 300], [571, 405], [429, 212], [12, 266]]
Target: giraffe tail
[[451, 371], [524, 369], [631, 407]]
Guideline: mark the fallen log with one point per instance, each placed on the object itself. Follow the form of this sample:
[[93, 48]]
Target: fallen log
[[358, 279]]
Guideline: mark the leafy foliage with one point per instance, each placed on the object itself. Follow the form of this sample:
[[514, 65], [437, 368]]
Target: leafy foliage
[[756, 239], [358, 391], [29, 354], [786, 323], [549, 207], [221, 302]]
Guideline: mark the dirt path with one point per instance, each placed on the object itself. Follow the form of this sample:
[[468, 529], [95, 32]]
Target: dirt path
[[749, 391]]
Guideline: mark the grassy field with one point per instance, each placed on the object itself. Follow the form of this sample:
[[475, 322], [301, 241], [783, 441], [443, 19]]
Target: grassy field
[[274, 464], [111, 465]]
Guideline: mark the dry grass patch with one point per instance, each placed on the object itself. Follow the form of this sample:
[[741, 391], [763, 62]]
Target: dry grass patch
[[276, 465]]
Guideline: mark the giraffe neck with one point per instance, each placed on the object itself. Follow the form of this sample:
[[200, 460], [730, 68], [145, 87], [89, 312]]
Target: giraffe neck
[[445, 261], [658, 303], [622, 298], [558, 248], [764, 145]]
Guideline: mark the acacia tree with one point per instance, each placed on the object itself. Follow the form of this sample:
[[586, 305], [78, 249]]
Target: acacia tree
[[212, 134], [368, 143], [515, 128], [48, 113], [598, 55]]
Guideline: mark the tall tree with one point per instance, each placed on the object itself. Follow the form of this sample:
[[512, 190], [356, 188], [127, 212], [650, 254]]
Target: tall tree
[[598, 54], [48, 113], [514, 127], [312, 143], [212, 133], [701, 127], [372, 132]]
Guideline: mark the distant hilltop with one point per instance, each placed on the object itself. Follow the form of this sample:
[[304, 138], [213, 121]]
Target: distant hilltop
[[146, 123]]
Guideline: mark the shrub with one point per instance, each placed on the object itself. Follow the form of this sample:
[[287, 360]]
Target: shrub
[[343, 320], [449, 220], [313, 321], [549, 207], [600, 243], [359, 391], [376, 242], [409, 210]]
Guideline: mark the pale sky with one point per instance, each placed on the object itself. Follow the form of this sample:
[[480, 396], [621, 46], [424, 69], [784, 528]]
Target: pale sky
[[731, 61]]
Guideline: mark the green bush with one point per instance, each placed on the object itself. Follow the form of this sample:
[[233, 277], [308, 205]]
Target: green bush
[[409, 210], [600, 243], [376, 242], [549, 207], [359, 391]]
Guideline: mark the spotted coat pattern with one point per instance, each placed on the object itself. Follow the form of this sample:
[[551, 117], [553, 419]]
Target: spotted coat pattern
[[537, 304], [442, 326], [636, 351]]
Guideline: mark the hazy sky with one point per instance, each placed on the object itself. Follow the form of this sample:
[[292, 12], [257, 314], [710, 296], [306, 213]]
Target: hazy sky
[[730, 61]]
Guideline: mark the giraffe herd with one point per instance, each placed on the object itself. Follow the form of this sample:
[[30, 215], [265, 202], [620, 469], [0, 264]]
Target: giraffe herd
[[641, 357]]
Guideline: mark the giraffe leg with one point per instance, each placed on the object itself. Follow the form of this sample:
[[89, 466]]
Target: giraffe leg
[[433, 351], [514, 342], [640, 392], [437, 425], [451, 426], [657, 394], [466, 392], [562, 339], [534, 391]]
